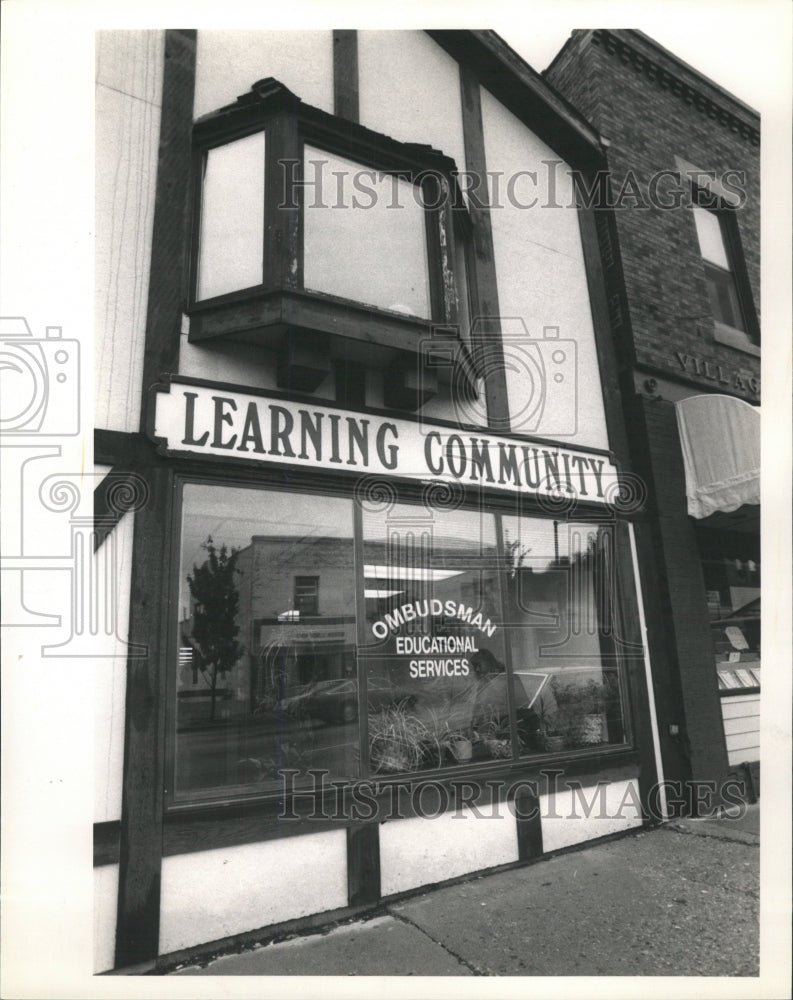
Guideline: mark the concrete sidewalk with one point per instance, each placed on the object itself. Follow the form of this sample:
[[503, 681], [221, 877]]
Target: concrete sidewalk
[[681, 899]]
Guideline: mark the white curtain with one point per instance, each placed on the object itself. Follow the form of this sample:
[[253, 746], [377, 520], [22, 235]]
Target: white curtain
[[720, 438]]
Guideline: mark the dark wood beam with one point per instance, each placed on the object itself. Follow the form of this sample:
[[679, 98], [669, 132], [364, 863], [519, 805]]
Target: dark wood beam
[[486, 334], [140, 842], [345, 74]]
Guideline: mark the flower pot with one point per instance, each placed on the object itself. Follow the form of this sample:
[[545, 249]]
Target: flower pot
[[461, 749], [552, 744], [499, 748], [588, 730]]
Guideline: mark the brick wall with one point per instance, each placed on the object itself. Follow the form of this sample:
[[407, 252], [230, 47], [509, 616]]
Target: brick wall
[[651, 110]]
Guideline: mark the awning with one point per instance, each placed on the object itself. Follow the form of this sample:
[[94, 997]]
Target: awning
[[720, 438]]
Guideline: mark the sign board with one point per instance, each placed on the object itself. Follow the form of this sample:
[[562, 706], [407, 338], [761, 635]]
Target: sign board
[[213, 420]]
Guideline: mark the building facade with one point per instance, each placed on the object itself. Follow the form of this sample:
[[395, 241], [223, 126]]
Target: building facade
[[681, 253], [362, 385]]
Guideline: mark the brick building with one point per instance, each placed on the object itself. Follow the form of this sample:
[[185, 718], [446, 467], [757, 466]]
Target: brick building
[[681, 257]]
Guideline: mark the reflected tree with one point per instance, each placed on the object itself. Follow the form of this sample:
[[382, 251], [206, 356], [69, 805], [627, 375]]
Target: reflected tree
[[215, 605]]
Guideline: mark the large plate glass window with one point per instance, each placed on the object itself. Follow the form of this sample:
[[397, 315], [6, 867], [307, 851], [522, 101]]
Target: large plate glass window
[[561, 628], [266, 675], [436, 678], [483, 638]]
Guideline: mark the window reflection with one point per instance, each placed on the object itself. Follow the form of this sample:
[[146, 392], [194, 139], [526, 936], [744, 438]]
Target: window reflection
[[435, 671], [267, 674], [477, 646], [559, 578]]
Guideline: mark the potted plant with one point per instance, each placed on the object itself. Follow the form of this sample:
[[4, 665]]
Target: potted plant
[[459, 744], [582, 711], [550, 736], [540, 729], [400, 741], [493, 732]]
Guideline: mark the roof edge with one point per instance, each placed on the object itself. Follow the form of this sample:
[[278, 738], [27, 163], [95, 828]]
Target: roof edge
[[648, 56], [535, 101], [641, 39]]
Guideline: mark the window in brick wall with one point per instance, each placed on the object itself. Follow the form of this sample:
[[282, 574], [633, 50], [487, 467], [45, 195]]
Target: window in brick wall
[[725, 274], [307, 594]]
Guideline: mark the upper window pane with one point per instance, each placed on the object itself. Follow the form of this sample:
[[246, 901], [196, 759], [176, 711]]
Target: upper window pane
[[232, 218], [364, 235], [711, 238], [266, 671]]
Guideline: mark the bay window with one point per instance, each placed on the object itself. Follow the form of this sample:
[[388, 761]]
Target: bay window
[[315, 632], [313, 229]]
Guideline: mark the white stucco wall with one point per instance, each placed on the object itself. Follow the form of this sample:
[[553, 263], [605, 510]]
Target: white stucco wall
[[128, 98], [410, 90], [238, 364], [612, 808], [541, 281], [105, 913], [229, 62], [420, 851], [213, 894]]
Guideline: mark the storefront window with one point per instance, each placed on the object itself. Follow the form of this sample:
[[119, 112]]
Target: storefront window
[[435, 670], [561, 634], [484, 638], [731, 568], [267, 674]]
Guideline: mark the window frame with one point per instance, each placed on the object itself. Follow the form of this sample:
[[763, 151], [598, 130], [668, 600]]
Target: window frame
[[261, 314], [218, 802], [301, 581], [748, 338]]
